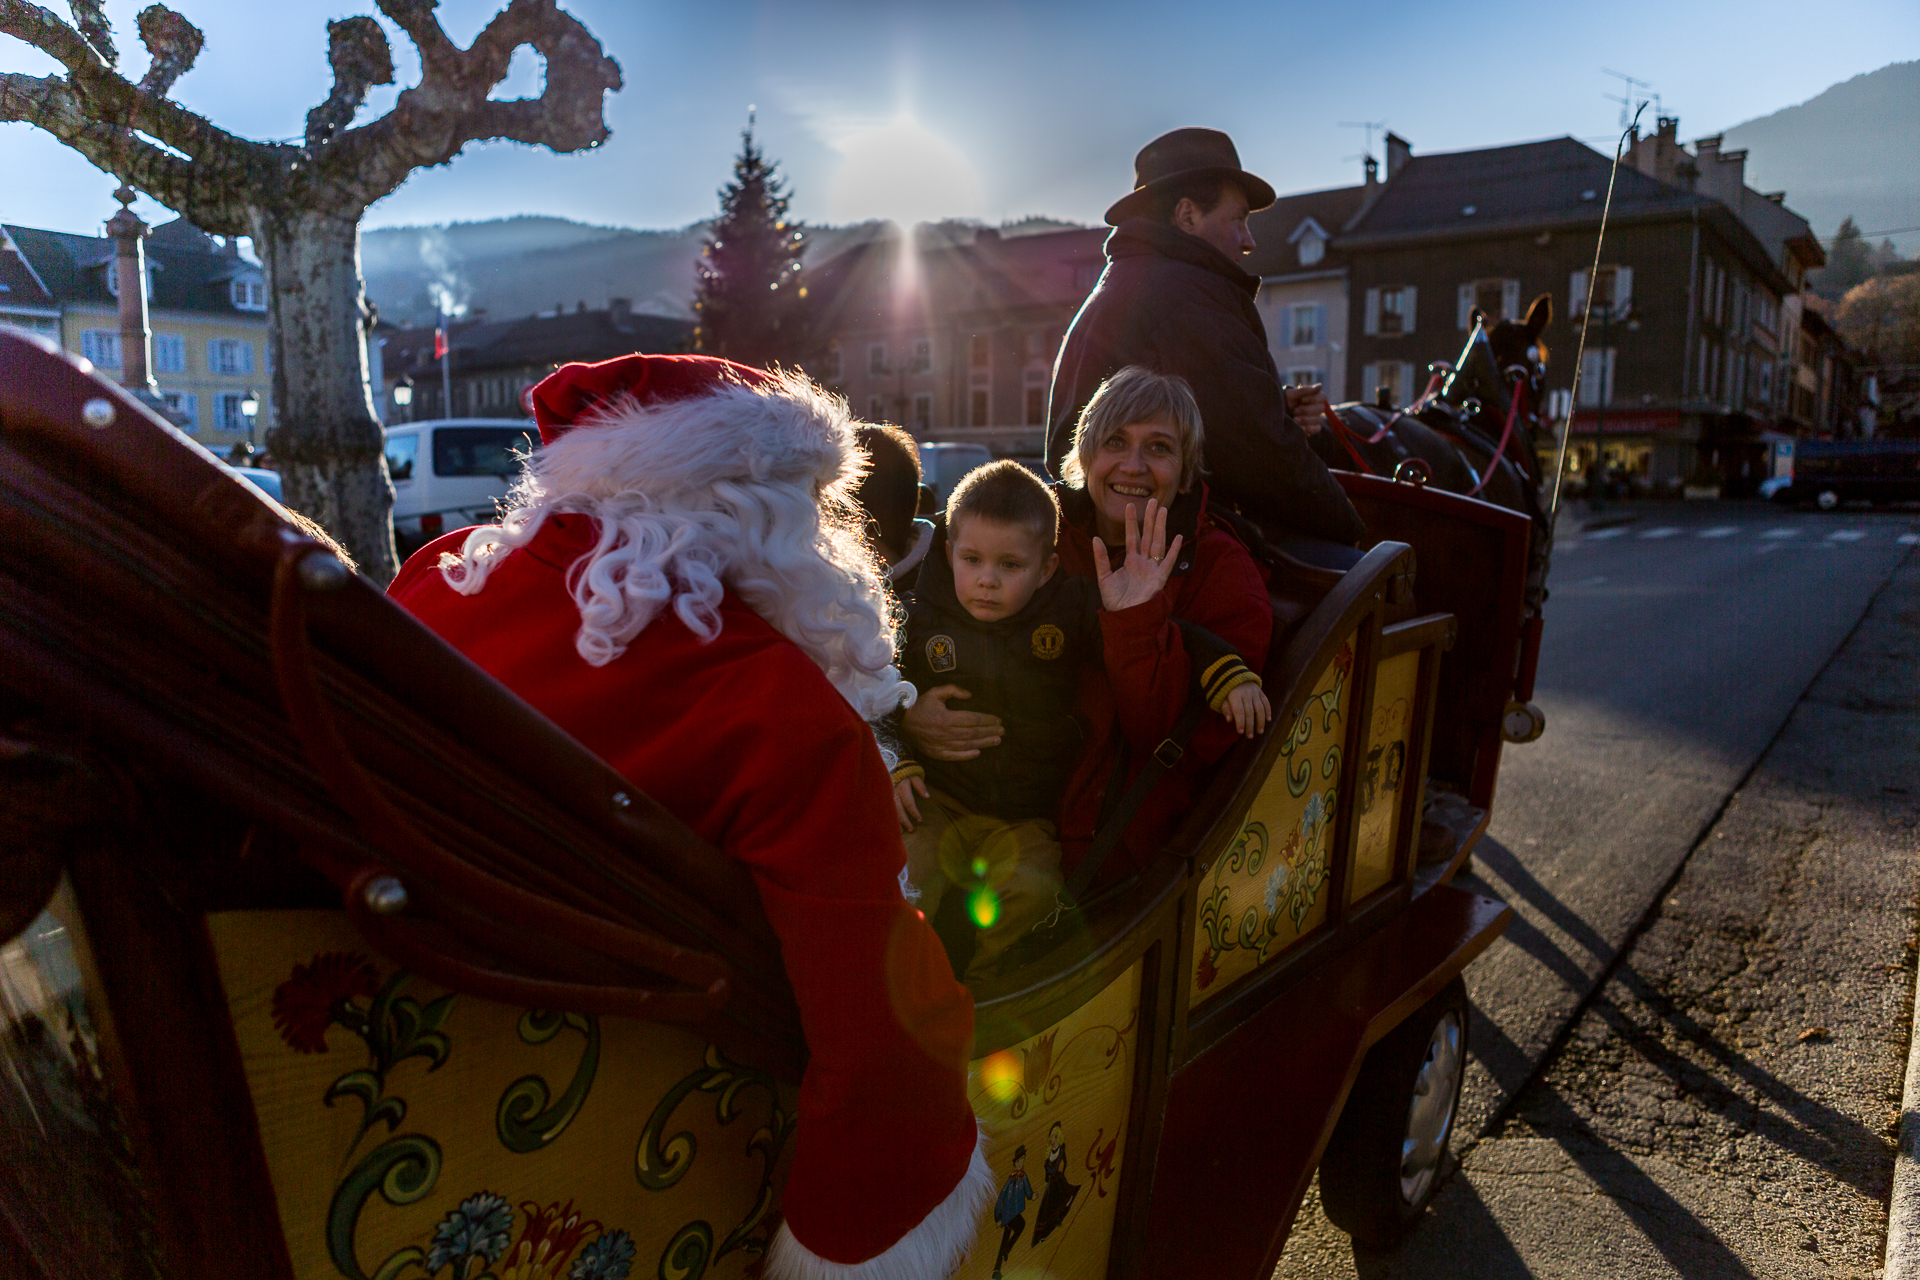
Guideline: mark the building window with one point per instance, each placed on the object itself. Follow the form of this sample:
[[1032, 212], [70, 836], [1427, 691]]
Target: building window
[[1304, 378], [1391, 310], [923, 412], [229, 355], [830, 368], [1766, 382], [922, 355], [185, 408], [102, 347], [249, 295], [1309, 325], [980, 351], [1037, 345], [876, 359], [1612, 289], [169, 353], [1312, 249], [1596, 378], [977, 412], [1497, 298], [876, 409], [1395, 376], [1036, 406], [226, 412]]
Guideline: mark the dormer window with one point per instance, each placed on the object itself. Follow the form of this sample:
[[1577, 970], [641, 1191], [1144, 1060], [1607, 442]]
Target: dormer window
[[1309, 241], [248, 294]]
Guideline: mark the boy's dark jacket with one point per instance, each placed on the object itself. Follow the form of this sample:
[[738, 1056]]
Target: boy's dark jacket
[[1024, 669]]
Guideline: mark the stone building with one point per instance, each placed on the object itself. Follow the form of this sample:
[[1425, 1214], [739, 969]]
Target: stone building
[[1303, 281]]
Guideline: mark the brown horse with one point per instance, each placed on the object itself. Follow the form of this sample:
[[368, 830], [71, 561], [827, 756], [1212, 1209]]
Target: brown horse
[[1473, 432]]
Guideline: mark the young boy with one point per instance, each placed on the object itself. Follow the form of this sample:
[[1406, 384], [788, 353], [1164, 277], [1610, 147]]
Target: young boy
[[993, 615]]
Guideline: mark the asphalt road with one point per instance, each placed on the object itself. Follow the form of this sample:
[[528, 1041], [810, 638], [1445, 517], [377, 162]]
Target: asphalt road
[[1676, 646]]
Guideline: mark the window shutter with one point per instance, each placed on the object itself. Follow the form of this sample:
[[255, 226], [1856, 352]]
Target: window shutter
[[246, 357], [1371, 319], [1410, 300], [1510, 299], [1622, 289], [1369, 379], [1403, 394], [1320, 324], [213, 355], [1464, 311]]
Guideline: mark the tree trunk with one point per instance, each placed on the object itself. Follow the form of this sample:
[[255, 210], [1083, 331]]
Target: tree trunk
[[326, 440]]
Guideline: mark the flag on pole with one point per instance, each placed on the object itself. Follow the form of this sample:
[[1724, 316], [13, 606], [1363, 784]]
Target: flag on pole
[[440, 341]]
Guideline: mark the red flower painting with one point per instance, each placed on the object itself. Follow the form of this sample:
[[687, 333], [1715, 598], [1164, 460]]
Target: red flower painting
[[1205, 972], [307, 1003], [1344, 660]]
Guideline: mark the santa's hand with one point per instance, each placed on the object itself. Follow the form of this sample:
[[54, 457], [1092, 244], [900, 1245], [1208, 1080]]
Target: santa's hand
[[903, 803], [942, 733], [1248, 708]]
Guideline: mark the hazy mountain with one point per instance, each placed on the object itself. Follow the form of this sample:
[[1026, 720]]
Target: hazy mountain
[[520, 266], [1855, 149]]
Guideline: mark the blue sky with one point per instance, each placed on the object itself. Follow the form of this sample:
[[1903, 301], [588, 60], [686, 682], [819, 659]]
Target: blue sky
[[996, 109]]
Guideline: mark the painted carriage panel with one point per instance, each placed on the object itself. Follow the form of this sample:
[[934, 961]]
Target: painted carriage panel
[[70, 1189], [1383, 772], [413, 1132], [1055, 1110], [1269, 889]]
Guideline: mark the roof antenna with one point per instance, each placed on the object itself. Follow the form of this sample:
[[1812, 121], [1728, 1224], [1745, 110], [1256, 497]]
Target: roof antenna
[[1631, 101], [1369, 126]]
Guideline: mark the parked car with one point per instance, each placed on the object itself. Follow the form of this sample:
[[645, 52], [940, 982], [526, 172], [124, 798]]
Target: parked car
[[452, 472]]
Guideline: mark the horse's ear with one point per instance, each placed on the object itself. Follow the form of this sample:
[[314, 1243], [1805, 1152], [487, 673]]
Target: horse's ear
[[1539, 315], [1477, 317]]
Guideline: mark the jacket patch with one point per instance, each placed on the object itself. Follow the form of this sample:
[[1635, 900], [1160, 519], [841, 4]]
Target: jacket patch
[[1049, 642], [940, 654]]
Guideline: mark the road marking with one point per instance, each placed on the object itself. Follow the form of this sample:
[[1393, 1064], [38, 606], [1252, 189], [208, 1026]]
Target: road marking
[[1719, 531], [1664, 531], [1781, 533], [1908, 539], [1846, 535], [1598, 534]]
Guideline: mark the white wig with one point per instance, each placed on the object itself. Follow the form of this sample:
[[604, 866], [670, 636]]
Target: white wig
[[749, 488]]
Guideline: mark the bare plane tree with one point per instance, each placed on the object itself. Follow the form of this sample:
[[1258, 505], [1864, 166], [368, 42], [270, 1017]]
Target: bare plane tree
[[302, 204]]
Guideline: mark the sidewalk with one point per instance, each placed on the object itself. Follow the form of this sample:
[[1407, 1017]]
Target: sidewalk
[[1727, 1104]]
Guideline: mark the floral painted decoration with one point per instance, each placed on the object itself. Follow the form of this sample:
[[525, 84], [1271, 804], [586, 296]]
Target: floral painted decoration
[[481, 1228], [315, 996], [610, 1257]]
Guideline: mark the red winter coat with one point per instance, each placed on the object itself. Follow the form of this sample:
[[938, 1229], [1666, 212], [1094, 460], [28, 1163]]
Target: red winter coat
[[1148, 677], [745, 741]]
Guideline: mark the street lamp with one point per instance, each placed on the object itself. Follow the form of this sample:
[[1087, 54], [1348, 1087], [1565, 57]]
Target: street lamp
[[249, 408], [403, 395]]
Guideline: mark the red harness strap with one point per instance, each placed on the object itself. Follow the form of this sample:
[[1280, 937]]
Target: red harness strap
[[1515, 402], [1346, 436]]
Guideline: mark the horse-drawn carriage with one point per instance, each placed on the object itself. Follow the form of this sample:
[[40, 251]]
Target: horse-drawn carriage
[[331, 958]]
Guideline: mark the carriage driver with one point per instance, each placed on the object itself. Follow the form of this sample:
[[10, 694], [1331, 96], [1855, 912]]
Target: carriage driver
[[681, 582], [1175, 299]]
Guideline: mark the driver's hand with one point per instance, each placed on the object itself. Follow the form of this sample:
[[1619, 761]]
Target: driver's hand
[[943, 733], [1307, 406]]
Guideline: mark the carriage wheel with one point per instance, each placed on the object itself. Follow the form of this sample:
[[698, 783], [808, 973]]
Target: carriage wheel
[[1383, 1162]]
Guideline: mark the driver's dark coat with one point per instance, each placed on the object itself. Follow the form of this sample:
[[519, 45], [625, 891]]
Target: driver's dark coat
[[1173, 303]]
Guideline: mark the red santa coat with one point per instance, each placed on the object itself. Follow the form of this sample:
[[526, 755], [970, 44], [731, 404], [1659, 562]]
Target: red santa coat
[[746, 742], [1148, 675]]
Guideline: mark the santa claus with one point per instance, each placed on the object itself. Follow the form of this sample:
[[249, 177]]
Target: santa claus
[[680, 582]]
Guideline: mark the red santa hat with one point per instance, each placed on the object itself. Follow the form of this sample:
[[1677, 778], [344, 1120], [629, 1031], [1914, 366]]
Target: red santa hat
[[576, 392]]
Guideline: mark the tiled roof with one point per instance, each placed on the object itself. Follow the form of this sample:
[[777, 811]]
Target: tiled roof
[[534, 340], [19, 285], [1525, 185], [1275, 253], [188, 274]]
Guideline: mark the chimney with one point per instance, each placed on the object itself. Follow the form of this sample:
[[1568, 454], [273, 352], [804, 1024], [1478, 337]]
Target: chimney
[[620, 310], [1373, 172], [231, 247], [1399, 151]]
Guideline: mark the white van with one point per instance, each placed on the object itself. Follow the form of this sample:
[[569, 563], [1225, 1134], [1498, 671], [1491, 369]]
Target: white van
[[943, 466], [452, 472]]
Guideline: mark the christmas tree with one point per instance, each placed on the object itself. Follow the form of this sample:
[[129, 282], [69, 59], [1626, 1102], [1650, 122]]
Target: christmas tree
[[748, 297]]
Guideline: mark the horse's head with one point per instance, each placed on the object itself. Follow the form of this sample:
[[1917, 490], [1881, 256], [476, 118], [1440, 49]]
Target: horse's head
[[1479, 385], [1517, 348]]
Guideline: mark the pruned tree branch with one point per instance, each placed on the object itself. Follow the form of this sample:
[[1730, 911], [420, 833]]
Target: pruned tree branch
[[450, 108], [358, 51], [91, 17], [51, 103], [110, 97], [174, 43]]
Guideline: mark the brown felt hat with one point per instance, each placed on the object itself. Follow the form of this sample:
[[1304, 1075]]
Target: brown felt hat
[[1183, 154]]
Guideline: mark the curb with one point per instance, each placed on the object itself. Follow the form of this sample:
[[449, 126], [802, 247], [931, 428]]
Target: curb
[[1903, 1212]]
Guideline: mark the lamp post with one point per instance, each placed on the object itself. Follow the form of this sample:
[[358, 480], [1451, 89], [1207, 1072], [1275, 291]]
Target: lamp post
[[250, 409], [403, 395]]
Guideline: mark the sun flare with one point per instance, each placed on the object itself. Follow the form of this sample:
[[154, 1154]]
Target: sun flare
[[904, 173]]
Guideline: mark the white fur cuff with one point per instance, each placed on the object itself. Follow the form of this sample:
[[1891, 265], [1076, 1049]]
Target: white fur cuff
[[931, 1251]]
